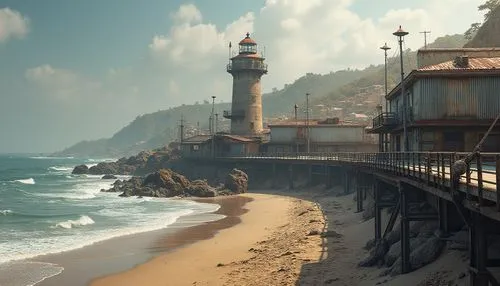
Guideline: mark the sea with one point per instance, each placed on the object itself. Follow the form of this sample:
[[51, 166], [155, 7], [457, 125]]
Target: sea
[[44, 209]]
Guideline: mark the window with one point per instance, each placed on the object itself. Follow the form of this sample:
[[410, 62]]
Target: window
[[196, 147]]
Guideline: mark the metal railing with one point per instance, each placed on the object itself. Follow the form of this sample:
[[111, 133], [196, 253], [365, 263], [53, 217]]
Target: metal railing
[[432, 168], [247, 65], [385, 119]]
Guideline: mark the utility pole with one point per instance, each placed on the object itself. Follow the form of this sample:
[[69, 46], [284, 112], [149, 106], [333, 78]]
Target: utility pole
[[425, 37], [400, 33], [307, 123], [181, 129], [296, 129], [216, 122]]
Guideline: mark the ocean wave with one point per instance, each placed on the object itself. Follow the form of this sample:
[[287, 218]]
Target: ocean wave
[[27, 273], [5, 212], [50, 158], [29, 181], [60, 168], [82, 221]]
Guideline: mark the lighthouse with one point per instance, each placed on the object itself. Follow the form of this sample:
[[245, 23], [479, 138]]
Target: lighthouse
[[247, 69]]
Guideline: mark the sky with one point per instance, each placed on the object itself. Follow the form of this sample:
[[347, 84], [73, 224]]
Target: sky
[[82, 70]]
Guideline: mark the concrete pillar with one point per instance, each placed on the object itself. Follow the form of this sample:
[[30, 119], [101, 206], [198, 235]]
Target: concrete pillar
[[443, 215], [290, 177]]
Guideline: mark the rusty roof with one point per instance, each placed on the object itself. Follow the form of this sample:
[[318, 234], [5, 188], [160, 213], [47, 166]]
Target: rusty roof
[[196, 139], [248, 41], [474, 64], [312, 123], [238, 138]]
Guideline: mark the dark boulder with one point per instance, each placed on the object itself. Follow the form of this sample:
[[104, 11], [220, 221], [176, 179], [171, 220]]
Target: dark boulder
[[237, 181], [201, 188], [80, 169], [174, 183]]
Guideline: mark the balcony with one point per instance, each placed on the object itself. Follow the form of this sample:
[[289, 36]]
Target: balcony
[[384, 122], [240, 114], [247, 65]]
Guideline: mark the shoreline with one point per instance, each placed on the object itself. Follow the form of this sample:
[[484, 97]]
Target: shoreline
[[121, 253], [204, 262]]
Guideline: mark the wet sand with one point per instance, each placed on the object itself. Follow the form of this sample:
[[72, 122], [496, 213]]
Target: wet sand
[[123, 253]]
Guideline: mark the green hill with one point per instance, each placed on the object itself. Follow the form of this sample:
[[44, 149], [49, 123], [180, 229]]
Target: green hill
[[153, 130]]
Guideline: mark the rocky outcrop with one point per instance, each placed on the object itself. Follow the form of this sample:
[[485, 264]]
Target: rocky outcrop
[[80, 169], [167, 183], [236, 181], [143, 163]]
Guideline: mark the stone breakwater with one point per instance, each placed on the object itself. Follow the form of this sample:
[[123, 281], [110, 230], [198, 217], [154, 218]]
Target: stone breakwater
[[166, 183]]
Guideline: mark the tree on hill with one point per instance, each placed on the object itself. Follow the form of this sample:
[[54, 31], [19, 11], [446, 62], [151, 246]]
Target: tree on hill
[[488, 7]]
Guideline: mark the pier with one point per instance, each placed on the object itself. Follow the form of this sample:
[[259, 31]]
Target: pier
[[398, 180]]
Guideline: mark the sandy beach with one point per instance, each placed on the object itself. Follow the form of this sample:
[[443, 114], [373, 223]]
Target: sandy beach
[[308, 237]]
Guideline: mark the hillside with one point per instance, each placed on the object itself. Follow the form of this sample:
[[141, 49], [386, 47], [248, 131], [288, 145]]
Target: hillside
[[488, 34], [353, 91]]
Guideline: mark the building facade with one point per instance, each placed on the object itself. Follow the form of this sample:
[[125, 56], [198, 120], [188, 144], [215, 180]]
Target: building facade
[[450, 106], [247, 68], [327, 136]]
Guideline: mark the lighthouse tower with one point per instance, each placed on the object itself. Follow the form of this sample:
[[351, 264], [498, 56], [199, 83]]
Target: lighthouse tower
[[246, 68]]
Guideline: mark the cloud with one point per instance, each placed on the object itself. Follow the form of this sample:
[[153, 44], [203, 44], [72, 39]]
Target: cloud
[[12, 24], [187, 62]]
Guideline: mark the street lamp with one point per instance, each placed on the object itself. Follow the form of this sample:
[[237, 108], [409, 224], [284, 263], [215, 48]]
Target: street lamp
[[385, 48], [400, 33], [307, 123], [385, 136]]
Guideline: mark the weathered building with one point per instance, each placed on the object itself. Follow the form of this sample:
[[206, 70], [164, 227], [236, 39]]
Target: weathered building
[[324, 136], [247, 69], [226, 145], [450, 106]]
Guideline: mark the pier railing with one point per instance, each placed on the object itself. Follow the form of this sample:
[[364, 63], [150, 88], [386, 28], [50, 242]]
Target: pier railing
[[481, 180]]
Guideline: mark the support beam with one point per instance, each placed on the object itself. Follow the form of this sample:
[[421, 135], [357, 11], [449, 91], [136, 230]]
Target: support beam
[[309, 175], [290, 177], [443, 215], [405, 231], [275, 176], [378, 211], [329, 178], [479, 275]]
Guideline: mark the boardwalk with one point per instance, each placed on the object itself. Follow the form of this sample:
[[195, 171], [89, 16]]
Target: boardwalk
[[481, 181]]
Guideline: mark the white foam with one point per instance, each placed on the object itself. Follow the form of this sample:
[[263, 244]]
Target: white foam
[[27, 273], [5, 212], [82, 221], [60, 168], [29, 181], [48, 157]]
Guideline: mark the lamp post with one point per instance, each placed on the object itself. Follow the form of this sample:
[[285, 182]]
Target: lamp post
[[385, 144], [400, 33], [212, 126], [307, 123], [385, 48]]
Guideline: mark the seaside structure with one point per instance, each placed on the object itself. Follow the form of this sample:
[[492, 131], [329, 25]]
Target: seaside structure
[[450, 104], [226, 145], [326, 136], [247, 68]]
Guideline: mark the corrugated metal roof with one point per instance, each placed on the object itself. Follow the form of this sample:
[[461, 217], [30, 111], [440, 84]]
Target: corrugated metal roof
[[312, 122], [474, 64], [197, 139], [238, 138]]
